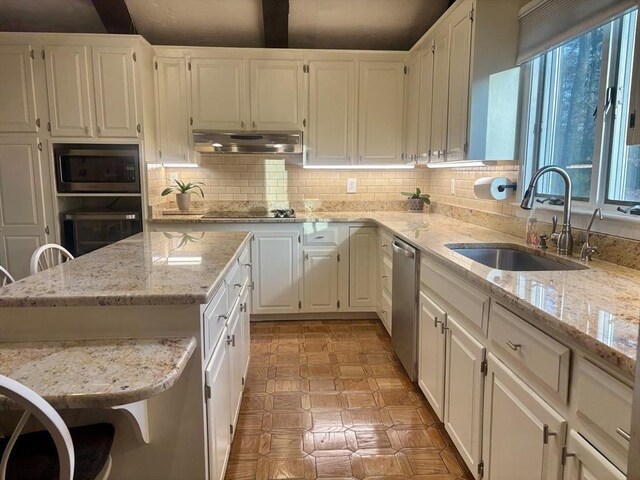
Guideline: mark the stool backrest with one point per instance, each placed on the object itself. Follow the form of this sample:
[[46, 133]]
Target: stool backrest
[[5, 277], [48, 256]]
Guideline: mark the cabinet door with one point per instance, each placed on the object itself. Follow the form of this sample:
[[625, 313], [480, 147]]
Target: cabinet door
[[363, 250], [439, 112], [245, 332], [17, 90], [277, 272], [277, 94], [431, 353], [459, 71], [115, 90], [25, 203], [380, 113], [172, 110], [68, 91], [412, 105], [523, 435], [426, 100], [218, 409], [463, 393], [236, 361], [332, 100], [585, 463], [219, 94], [320, 279]]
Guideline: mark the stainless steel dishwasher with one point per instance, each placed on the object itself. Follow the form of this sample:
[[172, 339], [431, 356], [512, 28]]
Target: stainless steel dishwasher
[[404, 310]]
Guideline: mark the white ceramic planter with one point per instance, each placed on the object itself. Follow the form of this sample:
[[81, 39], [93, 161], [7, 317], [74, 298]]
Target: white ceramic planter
[[184, 201]]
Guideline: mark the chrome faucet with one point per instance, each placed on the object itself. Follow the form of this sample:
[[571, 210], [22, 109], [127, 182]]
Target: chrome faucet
[[565, 240], [587, 249]]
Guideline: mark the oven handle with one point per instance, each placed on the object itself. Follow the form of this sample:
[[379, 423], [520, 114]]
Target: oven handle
[[102, 216], [398, 249]]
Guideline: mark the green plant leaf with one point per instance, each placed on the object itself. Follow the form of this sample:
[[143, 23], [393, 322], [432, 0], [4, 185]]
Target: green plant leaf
[[406, 194], [167, 191], [418, 191]]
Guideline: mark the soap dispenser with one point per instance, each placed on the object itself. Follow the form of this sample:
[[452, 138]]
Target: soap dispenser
[[532, 238]]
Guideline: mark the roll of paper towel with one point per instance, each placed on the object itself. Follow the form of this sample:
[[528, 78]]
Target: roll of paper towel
[[492, 188]]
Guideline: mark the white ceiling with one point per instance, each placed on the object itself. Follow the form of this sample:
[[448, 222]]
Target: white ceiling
[[73, 16], [343, 24]]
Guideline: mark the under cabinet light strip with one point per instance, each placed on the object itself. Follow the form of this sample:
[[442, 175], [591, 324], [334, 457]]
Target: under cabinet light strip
[[468, 163], [180, 165], [358, 167]]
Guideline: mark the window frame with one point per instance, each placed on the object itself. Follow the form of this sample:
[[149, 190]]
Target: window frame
[[534, 79]]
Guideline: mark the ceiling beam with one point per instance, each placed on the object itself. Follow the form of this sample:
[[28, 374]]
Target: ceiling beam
[[115, 16], [275, 18]]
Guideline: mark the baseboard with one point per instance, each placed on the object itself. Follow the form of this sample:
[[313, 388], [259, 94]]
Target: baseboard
[[316, 316]]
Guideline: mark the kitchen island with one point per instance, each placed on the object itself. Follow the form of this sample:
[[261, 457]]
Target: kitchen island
[[152, 285]]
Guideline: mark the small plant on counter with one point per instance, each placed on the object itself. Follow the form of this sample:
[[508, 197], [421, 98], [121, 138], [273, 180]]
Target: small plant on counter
[[417, 200], [183, 193]]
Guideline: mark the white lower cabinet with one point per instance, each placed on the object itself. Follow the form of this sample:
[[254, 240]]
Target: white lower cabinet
[[583, 462], [464, 393], [320, 277], [363, 250], [522, 435], [217, 378], [276, 272], [236, 361], [431, 353]]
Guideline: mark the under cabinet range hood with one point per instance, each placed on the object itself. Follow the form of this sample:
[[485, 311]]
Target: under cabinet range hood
[[215, 141]]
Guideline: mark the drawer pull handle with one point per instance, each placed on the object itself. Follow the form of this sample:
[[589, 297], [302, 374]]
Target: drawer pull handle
[[546, 434], [320, 237], [384, 245], [513, 346], [222, 317], [436, 322], [238, 285], [231, 340], [623, 434], [385, 276], [247, 264]]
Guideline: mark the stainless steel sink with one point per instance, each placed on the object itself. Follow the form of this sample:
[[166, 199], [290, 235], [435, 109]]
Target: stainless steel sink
[[513, 257]]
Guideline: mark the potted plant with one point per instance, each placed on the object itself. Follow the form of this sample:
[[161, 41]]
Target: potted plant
[[183, 193], [416, 201]]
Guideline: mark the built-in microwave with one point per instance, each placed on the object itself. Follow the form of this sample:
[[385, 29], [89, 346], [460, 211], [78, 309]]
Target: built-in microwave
[[95, 168]]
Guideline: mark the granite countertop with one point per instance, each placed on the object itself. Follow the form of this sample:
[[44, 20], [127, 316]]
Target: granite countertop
[[96, 373], [598, 308], [145, 269]]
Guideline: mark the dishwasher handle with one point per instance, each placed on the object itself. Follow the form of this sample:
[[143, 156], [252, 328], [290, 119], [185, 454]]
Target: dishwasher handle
[[401, 251]]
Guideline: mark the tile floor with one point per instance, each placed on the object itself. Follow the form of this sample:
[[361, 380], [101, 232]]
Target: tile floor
[[329, 399]]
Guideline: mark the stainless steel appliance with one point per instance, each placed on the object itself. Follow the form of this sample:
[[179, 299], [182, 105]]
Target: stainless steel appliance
[[213, 141], [91, 168], [230, 214], [633, 469], [86, 231], [404, 310]]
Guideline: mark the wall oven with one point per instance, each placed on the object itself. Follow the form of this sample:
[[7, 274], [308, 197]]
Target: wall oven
[[104, 168], [86, 231]]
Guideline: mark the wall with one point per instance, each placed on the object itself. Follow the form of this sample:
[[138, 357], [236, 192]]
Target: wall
[[253, 178]]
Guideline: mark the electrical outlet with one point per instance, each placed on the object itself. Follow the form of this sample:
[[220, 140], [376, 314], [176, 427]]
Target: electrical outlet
[[351, 185], [453, 186]]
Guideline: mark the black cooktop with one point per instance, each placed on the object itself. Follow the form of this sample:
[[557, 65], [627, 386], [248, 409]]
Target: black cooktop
[[283, 213]]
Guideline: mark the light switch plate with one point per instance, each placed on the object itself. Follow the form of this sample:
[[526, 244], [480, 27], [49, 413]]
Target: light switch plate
[[453, 186], [351, 185]]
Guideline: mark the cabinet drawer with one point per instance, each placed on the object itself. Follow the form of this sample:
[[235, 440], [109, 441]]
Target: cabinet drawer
[[214, 320], [385, 243], [320, 235], [385, 310], [234, 284], [604, 405], [387, 274], [470, 302], [544, 358]]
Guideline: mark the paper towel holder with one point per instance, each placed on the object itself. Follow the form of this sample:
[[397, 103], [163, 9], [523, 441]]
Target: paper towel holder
[[502, 188]]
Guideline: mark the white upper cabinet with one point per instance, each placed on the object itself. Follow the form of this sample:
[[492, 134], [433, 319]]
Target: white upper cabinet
[[426, 98], [219, 94], [115, 92], [17, 90], [172, 109], [412, 105], [380, 118], [68, 91], [277, 94], [459, 71], [332, 112], [439, 112]]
